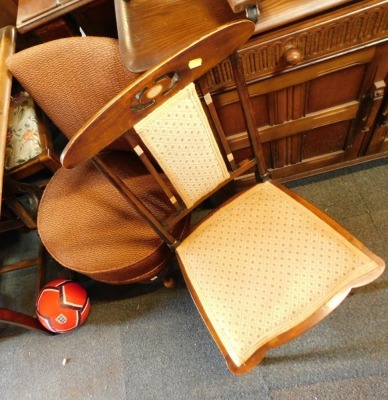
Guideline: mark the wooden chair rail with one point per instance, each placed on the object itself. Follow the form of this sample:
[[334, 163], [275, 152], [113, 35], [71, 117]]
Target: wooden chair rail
[[7, 48], [132, 198], [19, 319], [150, 167]]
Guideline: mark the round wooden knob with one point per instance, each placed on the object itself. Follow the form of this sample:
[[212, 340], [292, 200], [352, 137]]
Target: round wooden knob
[[293, 56]]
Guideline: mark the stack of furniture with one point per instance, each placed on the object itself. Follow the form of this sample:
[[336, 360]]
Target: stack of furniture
[[264, 267], [316, 70]]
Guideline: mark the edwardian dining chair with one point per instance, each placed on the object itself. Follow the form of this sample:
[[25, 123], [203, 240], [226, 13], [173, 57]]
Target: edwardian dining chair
[[264, 267]]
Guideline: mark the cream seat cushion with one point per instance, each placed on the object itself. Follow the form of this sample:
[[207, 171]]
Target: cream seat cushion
[[264, 263]]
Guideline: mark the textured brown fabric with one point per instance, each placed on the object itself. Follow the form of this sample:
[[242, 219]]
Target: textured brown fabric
[[71, 78], [87, 226]]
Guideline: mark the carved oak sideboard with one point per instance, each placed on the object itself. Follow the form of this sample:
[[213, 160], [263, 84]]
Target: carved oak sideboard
[[318, 88]]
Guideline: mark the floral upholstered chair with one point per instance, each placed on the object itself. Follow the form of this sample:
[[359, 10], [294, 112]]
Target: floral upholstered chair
[[23, 141], [28, 147]]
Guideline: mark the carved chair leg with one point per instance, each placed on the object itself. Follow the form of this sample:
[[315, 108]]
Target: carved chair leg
[[169, 282]]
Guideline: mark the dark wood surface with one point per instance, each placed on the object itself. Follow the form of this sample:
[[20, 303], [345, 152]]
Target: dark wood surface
[[32, 14], [47, 20], [278, 13], [150, 31], [8, 12]]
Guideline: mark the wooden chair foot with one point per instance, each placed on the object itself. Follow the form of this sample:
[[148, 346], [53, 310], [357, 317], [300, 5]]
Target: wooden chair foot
[[169, 282]]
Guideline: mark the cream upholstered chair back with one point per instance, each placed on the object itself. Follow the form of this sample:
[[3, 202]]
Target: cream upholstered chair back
[[180, 138]]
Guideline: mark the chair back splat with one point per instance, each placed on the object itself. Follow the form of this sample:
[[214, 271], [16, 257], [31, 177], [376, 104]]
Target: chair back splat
[[265, 266]]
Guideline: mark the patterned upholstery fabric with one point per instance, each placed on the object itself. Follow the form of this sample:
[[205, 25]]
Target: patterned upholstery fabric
[[180, 138], [264, 263], [23, 141]]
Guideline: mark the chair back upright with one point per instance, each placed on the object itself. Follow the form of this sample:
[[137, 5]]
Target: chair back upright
[[7, 48]]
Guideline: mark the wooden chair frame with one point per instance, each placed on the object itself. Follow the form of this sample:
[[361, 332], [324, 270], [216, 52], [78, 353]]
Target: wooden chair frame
[[14, 213]]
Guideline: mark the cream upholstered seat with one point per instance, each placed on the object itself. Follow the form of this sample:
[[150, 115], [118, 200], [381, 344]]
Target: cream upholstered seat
[[265, 266]]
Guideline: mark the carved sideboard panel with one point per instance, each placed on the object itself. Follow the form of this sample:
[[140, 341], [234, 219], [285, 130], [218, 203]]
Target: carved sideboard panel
[[312, 41], [318, 92]]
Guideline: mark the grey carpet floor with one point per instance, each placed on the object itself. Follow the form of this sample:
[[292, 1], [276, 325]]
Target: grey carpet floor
[[150, 343]]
